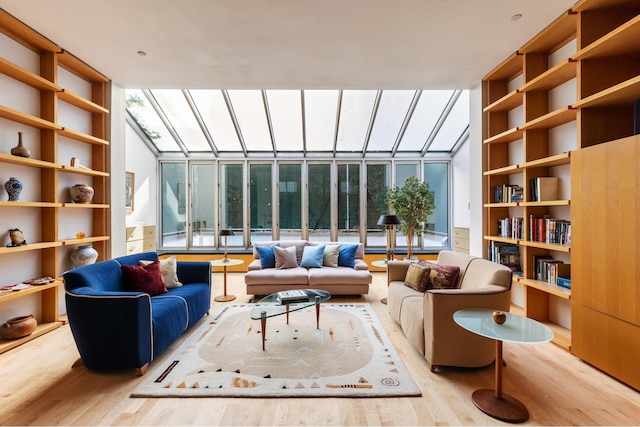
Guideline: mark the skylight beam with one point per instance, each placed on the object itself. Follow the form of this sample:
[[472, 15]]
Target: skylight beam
[[165, 120], [463, 137], [441, 120], [234, 119], [376, 105], [338, 115], [141, 133], [405, 123], [198, 116], [304, 124], [265, 103]]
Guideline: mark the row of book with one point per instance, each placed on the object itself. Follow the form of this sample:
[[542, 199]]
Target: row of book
[[549, 230], [511, 228], [508, 193], [552, 271], [506, 254]]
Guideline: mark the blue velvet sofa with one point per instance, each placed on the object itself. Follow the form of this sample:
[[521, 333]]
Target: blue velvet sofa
[[117, 329]]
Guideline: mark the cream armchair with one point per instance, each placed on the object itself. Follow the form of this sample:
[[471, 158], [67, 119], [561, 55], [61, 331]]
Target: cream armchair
[[427, 318]]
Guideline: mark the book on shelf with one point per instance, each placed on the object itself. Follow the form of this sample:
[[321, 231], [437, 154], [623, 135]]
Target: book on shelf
[[545, 229], [508, 193], [507, 255], [511, 228], [564, 282], [290, 297], [544, 188], [549, 270]]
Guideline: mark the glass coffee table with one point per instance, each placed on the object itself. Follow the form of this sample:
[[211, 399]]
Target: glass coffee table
[[269, 306], [515, 329]]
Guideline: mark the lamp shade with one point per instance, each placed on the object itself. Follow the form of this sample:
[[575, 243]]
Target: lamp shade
[[388, 219], [226, 232]]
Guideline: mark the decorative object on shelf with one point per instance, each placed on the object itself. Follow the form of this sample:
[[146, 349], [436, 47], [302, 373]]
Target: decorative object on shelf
[[129, 190], [19, 327], [499, 317], [389, 221], [20, 150], [17, 238], [14, 188], [81, 193], [84, 255], [76, 163], [80, 235], [413, 203], [225, 232]]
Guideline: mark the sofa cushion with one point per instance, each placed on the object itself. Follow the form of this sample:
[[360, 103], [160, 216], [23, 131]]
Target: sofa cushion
[[144, 278], [330, 258], [417, 277], [289, 276], [339, 275], [285, 257], [267, 256], [312, 256], [441, 276], [198, 299], [347, 255], [169, 269]]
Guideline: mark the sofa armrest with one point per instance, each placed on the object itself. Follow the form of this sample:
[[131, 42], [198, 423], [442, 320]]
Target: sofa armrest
[[194, 272], [360, 265], [254, 265], [397, 270], [485, 290], [440, 304]]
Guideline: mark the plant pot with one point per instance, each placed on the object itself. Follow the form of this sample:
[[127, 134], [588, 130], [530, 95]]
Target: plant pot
[[81, 193], [84, 255], [18, 327]]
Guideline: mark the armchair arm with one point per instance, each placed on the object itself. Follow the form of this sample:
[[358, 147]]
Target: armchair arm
[[112, 329], [397, 270], [194, 272]]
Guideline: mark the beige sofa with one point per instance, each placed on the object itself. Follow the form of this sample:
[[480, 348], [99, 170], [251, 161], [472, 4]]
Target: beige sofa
[[427, 318], [336, 280]]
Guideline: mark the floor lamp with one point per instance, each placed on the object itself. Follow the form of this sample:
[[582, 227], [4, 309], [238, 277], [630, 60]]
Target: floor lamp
[[389, 221], [225, 232]]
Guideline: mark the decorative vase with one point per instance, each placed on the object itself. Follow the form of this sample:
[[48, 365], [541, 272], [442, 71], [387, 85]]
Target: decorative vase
[[84, 255], [18, 327], [81, 193], [19, 150], [14, 188]]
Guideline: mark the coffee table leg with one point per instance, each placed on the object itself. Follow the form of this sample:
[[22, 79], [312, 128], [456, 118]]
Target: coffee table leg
[[317, 312], [497, 404], [263, 324], [287, 314]]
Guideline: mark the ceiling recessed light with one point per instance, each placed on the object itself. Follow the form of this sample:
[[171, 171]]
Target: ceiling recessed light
[[516, 17], [142, 53]]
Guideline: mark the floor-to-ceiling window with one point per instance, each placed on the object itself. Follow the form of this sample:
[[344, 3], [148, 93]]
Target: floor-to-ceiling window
[[261, 202], [349, 202], [319, 201], [376, 189], [173, 190], [437, 227], [404, 171], [290, 200], [203, 207], [231, 201]]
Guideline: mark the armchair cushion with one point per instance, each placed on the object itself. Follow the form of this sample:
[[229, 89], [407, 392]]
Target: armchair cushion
[[285, 257], [417, 277], [441, 276]]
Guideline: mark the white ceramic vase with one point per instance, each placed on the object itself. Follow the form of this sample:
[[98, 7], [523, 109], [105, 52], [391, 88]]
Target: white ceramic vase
[[84, 255]]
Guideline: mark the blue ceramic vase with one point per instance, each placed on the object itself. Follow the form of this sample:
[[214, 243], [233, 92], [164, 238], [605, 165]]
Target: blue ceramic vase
[[14, 188]]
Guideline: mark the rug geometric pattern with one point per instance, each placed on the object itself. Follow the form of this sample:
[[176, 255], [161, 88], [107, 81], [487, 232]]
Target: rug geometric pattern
[[350, 355]]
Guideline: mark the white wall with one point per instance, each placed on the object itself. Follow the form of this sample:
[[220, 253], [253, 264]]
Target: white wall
[[142, 162], [476, 229], [460, 187]]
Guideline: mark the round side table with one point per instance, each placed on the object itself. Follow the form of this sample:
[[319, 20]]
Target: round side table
[[225, 263]]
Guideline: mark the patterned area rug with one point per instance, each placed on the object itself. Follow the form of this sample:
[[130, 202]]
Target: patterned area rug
[[349, 356]]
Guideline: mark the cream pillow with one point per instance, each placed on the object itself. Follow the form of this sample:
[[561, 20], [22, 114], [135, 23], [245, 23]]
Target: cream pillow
[[330, 258], [169, 268], [285, 257]]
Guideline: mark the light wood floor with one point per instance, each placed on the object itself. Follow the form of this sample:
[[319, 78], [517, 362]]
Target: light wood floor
[[39, 387]]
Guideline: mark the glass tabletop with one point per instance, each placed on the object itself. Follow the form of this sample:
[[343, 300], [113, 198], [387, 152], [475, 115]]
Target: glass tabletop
[[516, 328], [273, 307], [222, 263]]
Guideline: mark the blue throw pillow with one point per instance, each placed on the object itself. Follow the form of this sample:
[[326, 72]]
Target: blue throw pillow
[[267, 257], [347, 255], [312, 256]]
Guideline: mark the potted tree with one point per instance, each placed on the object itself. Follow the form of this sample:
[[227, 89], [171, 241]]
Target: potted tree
[[413, 203]]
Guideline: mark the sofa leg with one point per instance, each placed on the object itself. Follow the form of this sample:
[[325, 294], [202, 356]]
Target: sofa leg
[[77, 363], [432, 368], [141, 370]]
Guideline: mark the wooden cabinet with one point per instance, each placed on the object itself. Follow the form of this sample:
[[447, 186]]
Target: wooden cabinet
[[65, 122], [141, 238], [460, 241], [528, 108], [590, 53]]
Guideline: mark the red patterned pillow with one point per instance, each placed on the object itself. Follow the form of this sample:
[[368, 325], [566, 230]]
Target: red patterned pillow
[[144, 278], [441, 276]]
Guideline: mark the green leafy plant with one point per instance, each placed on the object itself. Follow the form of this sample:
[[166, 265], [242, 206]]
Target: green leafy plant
[[413, 203]]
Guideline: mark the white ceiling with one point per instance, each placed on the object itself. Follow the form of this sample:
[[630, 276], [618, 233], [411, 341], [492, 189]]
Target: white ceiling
[[295, 44]]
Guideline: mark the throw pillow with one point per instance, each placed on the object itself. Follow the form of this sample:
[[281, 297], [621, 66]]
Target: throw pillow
[[143, 278], [417, 277], [312, 256], [347, 255], [330, 258], [169, 269], [442, 276], [267, 257], [285, 257]]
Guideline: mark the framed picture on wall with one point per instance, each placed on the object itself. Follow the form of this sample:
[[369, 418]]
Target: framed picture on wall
[[129, 191]]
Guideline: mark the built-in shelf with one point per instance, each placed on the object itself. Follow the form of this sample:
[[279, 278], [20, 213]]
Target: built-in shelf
[[508, 102], [25, 76], [81, 102], [27, 119], [554, 118], [505, 137], [82, 137], [622, 93], [621, 41], [553, 77]]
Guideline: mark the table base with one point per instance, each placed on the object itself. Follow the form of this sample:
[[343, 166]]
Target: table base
[[505, 408], [224, 298], [383, 300]]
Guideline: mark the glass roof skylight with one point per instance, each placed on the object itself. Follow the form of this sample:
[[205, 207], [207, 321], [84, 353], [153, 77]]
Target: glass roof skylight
[[333, 123]]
